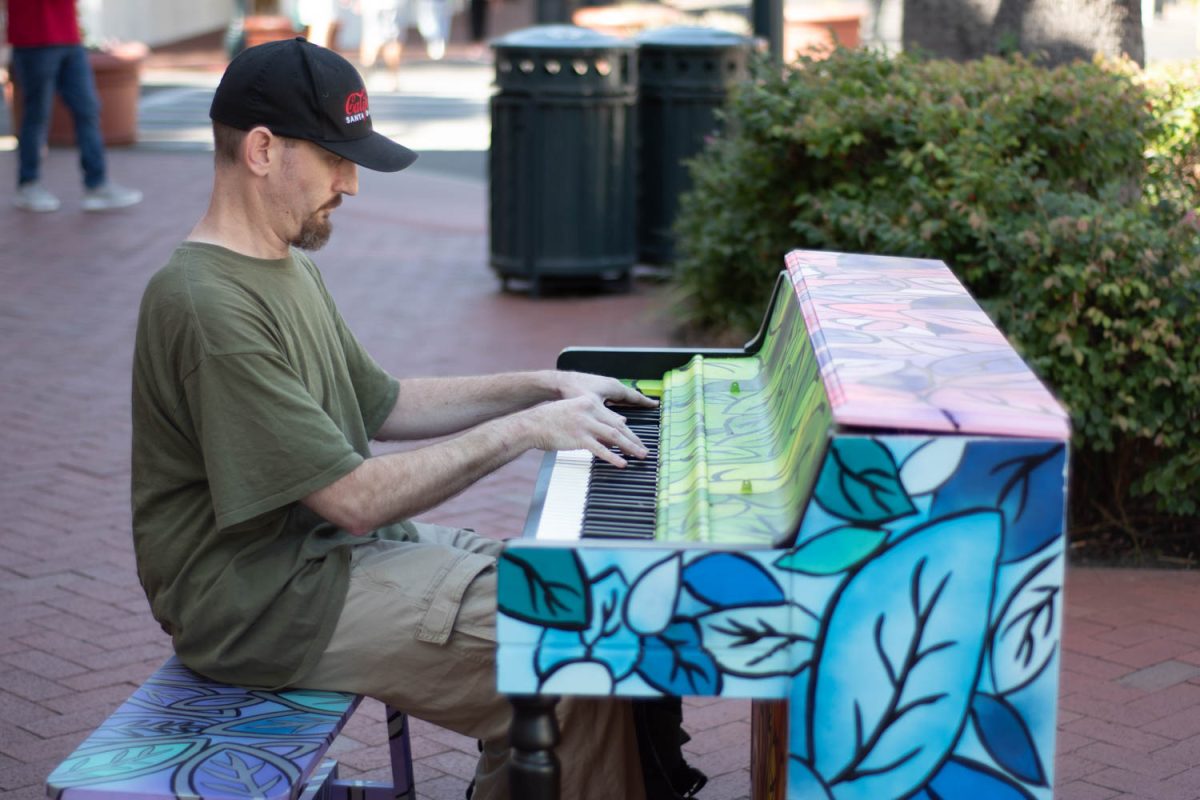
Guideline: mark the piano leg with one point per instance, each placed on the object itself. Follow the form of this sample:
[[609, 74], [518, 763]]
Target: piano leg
[[768, 749], [533, 769]]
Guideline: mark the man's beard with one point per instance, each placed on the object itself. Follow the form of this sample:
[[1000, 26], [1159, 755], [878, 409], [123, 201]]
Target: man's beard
[[315, 231]]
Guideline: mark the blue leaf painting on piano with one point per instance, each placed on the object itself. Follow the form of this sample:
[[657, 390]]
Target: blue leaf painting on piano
[[729, 580], [607, 642], [1022, 479], [860, 482], [608, 590], [676, 663], [899, 657], [1006, 738], [760, 641], [931, 463], [833, 551], [651, 602], [544, 586], [803, 782], [556, 648], [1027, 630], [961, 779], [566, 678]]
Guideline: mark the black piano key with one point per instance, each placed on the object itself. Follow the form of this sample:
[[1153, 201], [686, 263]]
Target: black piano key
[[625, 505], [621, 502], [608, 533]]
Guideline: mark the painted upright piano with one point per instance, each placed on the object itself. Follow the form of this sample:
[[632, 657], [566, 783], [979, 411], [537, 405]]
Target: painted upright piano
[[861, 512]]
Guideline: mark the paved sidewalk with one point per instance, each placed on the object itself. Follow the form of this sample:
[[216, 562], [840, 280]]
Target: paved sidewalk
[[407, 265]]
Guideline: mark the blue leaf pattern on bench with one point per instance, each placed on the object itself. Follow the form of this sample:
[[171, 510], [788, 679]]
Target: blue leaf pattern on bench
[[181, 735], [237, 770], [123, 762]]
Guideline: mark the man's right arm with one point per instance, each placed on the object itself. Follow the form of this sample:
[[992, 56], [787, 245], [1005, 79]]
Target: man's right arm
[[396, 486]]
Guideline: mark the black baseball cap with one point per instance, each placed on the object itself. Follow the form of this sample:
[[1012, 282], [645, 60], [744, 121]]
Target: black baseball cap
[[296, 89]]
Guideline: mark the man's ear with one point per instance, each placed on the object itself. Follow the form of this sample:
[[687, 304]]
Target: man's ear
[[259, 150]]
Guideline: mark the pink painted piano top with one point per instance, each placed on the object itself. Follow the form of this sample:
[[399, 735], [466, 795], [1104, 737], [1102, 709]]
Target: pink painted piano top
[[902, 345]]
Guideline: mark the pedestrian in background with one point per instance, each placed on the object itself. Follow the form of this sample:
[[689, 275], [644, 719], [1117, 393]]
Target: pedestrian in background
[[319, 19], [48, 57], [384, 29], [478, 20], [434, 18]]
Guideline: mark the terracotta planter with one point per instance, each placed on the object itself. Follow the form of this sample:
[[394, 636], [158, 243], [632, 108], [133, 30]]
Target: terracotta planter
[[263, 28], [627, 19], [815, 35], [118, 72]]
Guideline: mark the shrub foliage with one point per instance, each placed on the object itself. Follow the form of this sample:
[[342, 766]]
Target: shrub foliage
[[1062, 197]]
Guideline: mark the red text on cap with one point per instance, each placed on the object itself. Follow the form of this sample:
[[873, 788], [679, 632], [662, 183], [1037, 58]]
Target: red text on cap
[[356, 106]]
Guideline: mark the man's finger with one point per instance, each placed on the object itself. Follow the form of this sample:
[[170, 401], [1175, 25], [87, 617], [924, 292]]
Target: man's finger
[[632, 397], [604, 454], [618, 434], [643, 400]]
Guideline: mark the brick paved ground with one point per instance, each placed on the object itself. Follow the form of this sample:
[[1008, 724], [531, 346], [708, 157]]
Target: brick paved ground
[[408, 268]]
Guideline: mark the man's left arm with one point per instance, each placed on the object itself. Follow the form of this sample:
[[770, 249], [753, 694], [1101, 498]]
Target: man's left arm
[[430, 407]]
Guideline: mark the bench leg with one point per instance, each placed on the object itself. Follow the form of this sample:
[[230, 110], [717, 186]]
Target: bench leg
[[401, 749], [533, 770]]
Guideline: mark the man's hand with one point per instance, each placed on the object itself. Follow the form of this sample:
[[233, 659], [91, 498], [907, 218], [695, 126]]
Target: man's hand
[[583, 423], [583, 384]]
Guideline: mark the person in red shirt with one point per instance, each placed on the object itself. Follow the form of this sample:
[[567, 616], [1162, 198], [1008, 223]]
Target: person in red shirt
[[48, 57]]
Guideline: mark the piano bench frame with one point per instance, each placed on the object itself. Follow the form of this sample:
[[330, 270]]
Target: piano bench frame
[[182, 735]]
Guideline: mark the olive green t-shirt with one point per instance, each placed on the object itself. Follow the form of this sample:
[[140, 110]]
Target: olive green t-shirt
[[249, 393]]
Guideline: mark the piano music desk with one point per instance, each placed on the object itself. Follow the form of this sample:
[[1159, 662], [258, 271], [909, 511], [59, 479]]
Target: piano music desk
[[892, 570]]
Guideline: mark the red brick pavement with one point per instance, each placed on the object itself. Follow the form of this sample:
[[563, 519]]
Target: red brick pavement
[[408, 268]]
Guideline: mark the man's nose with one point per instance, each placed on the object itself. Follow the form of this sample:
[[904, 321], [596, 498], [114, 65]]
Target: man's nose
[[347, 178]]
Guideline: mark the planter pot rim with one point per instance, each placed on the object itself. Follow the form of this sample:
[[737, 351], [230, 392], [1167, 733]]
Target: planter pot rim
[[119, 52]]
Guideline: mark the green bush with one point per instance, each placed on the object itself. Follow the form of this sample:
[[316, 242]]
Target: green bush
[[1063, 198]]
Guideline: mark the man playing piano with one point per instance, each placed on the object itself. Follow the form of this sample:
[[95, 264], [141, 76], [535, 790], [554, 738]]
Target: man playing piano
[[273, 548]]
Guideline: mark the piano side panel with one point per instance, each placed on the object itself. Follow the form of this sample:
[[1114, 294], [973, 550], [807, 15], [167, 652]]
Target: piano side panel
[[915, 626], [936, 667]]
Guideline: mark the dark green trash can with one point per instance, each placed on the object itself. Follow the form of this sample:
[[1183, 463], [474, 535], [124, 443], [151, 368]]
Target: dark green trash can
[[561, 163], [684, 75]]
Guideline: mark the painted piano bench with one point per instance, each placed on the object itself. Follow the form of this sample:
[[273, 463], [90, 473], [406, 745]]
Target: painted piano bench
[[182, 736]]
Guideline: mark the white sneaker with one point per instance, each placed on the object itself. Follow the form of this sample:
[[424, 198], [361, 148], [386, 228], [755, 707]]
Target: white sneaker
[[110, 196], [35, 197]]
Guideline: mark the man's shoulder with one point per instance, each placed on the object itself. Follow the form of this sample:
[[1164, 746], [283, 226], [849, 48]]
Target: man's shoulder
[[197, 277], [197, 295]]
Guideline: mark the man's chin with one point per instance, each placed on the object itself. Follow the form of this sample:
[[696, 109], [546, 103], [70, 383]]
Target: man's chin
[[313, 236]]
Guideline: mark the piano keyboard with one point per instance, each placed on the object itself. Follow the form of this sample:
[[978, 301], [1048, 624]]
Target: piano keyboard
[[590, 498]]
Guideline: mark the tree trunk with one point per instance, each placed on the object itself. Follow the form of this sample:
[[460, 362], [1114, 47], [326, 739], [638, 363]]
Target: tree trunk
[[1060, 30]]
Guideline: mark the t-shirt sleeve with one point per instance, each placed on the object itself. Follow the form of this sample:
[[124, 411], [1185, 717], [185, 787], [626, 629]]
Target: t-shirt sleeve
[[266, 441], [375, 388]]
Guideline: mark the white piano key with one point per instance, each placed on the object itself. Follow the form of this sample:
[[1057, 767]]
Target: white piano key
[[562, 509]]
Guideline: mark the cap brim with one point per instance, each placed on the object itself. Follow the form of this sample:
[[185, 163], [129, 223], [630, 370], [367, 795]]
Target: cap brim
[[375, 151]]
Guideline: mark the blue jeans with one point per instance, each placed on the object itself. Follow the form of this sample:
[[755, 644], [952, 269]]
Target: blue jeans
[[40, 72]]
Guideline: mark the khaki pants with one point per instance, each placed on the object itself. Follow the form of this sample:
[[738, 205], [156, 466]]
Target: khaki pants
[[418, 632]]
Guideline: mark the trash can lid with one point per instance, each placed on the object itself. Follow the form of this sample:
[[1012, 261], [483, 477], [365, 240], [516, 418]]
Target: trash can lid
[[692, 36], [560, 37]]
